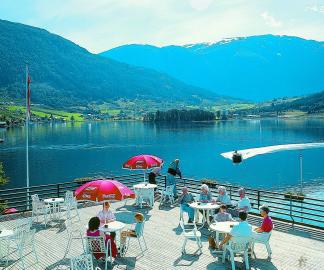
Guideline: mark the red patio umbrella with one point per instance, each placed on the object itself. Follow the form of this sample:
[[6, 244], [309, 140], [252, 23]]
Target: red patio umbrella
[[103, 190], [143, 162]]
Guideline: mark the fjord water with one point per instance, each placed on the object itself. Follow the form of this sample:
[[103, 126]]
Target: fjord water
[[61, 152]]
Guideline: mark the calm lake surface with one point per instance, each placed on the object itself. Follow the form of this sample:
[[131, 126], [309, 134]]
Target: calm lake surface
[[64, 151]]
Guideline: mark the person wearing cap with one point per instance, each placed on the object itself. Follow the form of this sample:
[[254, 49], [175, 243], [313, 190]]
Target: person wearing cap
[[184, 199]]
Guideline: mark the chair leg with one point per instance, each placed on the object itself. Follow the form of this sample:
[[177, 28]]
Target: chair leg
[[224, 254], [68, 246], [184, 246], [198, 243], [246, 260], [268, 250], [35, 253], [232, 260]]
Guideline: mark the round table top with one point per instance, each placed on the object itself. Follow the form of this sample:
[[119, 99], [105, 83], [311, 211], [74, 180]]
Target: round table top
[[54, 200], [112, 227], [223, 227], [6, 233], [145, 186], [204, 206]]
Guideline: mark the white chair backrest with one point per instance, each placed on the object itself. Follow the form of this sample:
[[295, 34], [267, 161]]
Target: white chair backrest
[[142, 229], [23, 224], [82, 262], [96, 244], [144, 193], [182, 225], [239, 244], [35, 198], [69, 198], [169, 189], [27, 238]]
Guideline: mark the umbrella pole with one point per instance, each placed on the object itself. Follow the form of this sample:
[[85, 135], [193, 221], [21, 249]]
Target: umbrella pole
[[144, 176]]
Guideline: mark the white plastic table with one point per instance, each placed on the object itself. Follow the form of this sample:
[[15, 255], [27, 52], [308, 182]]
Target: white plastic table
[[206, 208], [222, 227], [145, 190], [113, 226], [55, 206]]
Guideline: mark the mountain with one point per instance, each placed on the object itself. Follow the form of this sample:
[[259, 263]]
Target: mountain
[[256, 68], [64, 74]]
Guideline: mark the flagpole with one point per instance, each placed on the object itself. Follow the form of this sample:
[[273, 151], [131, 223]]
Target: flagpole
[[27, 140]]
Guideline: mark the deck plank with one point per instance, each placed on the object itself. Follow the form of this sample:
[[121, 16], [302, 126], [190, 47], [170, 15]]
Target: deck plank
[[292, 249]]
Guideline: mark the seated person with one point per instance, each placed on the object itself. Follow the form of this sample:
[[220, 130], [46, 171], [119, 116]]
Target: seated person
[[244, 202], [242, 205], [205, 194], [106, 215], [266, 225], [243, 229], [139, 218], [93, 230], [222, 215], [223, 197], [184, 200]]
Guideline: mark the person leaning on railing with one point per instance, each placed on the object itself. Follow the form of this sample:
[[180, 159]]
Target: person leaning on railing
[[173, 170]]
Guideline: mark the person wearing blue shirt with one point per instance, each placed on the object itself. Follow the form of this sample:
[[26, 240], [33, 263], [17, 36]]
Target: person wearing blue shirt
[[184, 200]]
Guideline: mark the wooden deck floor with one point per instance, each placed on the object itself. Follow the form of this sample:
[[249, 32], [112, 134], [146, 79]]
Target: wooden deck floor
[[292, 248]]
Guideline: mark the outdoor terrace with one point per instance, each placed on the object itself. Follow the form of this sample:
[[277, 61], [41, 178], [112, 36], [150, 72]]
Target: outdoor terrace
[[295, 247]]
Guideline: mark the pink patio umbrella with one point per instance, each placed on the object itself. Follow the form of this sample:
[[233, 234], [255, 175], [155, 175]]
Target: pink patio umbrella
[[103, 190], [9, 211], [143, 162]]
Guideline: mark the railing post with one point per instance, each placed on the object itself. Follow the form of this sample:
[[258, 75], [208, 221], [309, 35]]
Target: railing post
[[58, 190], [258, 199], [230, 191], [165, 178]]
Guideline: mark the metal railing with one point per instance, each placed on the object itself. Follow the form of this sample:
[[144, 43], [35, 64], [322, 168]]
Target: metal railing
[[309, 212]]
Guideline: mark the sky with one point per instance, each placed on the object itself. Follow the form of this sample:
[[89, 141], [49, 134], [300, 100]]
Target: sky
[[99, 25]]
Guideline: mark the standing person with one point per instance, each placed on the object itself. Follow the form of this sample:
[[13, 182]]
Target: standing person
[[185, 198], [153, 174], [173, 170]]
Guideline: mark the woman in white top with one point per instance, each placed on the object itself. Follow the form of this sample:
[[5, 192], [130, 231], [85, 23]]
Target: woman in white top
[[106, 215], [244, 202]]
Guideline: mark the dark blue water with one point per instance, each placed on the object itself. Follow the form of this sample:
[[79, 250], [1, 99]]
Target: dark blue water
[[63, 152]]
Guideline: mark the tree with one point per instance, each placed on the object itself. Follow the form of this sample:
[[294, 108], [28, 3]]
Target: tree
[[72, 118], [3, 178]]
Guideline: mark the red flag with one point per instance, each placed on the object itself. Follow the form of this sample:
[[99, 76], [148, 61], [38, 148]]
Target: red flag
[[28, 93]]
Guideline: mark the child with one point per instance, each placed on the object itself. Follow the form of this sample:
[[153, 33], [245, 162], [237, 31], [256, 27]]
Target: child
[[139, 218], [93, 230]]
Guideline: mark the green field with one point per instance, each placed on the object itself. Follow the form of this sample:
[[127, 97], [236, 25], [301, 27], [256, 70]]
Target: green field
[[43, 112]]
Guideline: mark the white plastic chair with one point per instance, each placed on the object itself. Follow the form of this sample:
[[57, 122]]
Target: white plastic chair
[[73, 233], [238, 245], [26, 240], [23, 223], [83, 262], [263, 238], [39, 208], [96, 245], [167, 193], [141, 241], [143, 195], [70, 204], [190, 234]]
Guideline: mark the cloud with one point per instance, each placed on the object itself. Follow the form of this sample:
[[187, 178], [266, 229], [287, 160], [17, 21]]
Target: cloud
[[316, 8], [200, 5], [270, 20]]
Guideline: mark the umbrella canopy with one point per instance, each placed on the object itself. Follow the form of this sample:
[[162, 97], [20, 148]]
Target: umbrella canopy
[[143, 162], [9, 211], [103, 190]]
